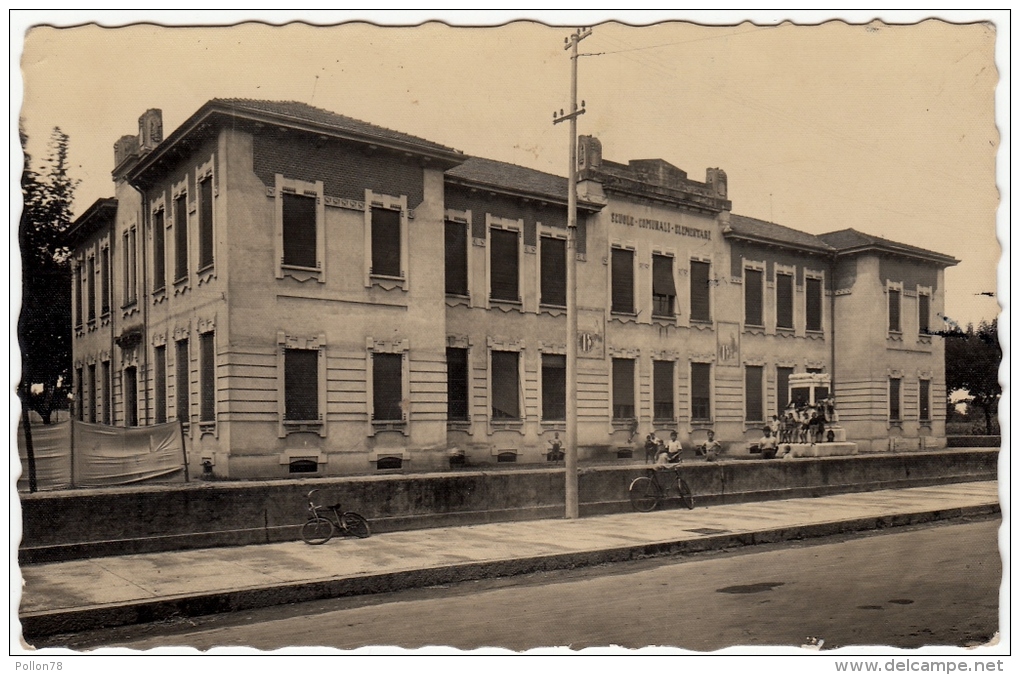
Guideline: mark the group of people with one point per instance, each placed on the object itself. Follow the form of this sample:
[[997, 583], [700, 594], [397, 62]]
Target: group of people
[[803, 423], [669, 452]]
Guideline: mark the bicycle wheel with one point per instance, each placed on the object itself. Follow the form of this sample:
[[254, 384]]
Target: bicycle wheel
[[644, 494], [686, 496], [317, 531], [355, 524]]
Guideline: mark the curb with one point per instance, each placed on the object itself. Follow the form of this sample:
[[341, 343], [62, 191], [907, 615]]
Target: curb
[[41, 624]]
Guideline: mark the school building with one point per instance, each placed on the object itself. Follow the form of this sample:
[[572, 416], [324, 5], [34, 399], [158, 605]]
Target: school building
[[311, 294]]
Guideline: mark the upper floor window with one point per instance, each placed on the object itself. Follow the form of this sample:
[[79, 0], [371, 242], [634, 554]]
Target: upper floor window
[[623, 281], [504, 265], [181, 237], [104, 277], [753, 287], [813, 301], [386, 243], [784, 300], [159, 250], [300, 230], [205, 223], [663, 288], [77, 294], [894, 311], [130, 267], [90, 287], [553, 271], [456, 258], [701, 307], [923, 313]]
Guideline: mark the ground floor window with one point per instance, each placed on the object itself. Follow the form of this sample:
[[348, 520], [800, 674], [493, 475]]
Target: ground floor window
[[301, 385], [183, 382], [701, 391], [457, 387], [387, 387], [783, 374], [505, 386], [894, 399], [159, 368], [623, 389], [107, 393], [924, 401], [554, 387], [662, 390], [131, 396], [754, 410], [93, 392], [207, 382]]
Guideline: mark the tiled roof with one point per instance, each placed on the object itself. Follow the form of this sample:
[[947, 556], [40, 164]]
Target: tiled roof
[[511, 177], [764, 230], [849, 238], [306, 113]]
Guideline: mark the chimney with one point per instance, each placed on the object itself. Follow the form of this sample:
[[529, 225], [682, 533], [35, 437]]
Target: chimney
[[125, 148], [150, 130]]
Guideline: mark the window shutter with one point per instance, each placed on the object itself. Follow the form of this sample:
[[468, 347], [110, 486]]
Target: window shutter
[[701, 391], [503, 265], [77, 295], [79, 394], [158, 251], [784, 301], [505, 384], [752, 298], [924, 404], [92, 393], [923, 310], [700, 305], [663, 288], [662, 385], [456, 258], [131, 396], [623, 281], [457, 387], [105, 276], [554, 271], [554, 387], [387, 386], [894, 310], [813, 293], [301, 384], [160, 384], [299, 231], [205, 223], [894, 398], [783, 387], [181, 237], [183, 382], [207, 356], [754, 410], [90, 284], [386, 242], [108, 393], [623, 389]]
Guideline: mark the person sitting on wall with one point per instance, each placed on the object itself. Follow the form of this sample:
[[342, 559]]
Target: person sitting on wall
[[768, 444], [671, 452], [712, 448], [652, 446], [555, 452]]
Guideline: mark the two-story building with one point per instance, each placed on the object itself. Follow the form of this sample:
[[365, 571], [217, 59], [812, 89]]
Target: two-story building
[[308, 293]]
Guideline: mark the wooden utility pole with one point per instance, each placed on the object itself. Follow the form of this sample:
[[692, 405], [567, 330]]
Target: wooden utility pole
[[571, 434]]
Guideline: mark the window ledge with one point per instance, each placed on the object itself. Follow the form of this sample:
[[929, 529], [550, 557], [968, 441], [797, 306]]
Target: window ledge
[[659, 422], [507, 425], [302, 426], [181, 286], [387, 283], [301, 274], [379, 426], [754, 330], [554, 425], [622, 423], [896, 424], [206, 428], [391, 277], [159, 295], [458, 425], [206, 275], [506, 305], [702, 324], [815, 334]]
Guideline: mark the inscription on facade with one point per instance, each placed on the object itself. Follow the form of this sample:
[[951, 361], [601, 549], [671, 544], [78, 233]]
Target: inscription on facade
[[659, 226]]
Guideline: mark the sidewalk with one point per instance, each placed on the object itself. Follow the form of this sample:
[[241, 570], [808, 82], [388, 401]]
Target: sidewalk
[[84, 594]]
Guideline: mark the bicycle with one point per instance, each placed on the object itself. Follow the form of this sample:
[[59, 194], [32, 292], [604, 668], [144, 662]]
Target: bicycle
[[320, 528], [646, 492]]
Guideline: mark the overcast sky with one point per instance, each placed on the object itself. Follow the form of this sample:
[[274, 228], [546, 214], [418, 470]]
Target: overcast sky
[[886, 129]]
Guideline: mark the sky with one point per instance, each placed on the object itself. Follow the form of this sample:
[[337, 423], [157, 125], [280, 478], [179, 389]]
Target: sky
[[888, 129]]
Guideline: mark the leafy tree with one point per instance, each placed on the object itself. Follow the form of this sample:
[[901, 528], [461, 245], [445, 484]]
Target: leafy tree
[[44, 325], [972, 364]]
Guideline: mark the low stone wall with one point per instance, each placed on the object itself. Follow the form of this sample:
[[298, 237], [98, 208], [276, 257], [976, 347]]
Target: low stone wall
[[115, 521]]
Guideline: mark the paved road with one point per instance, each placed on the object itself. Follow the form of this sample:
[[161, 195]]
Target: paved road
[[927, 585]]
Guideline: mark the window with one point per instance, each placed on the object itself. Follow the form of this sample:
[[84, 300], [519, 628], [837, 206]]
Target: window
[[90, 287], [784, 301], [813, 296], [207, 379], [387, 387], [159, 251], [554, 387], [553, 271], [107, 394], [183, 382], [623, 281], [456, 258], [205, 223], [783, 374], [924, 401], [662, 390], [701, 307], [505, 385], [104, 276], [503, 265], [131, 396], [301, 385], [300, 236], [663, 288], [457, 384], [160, 383], [894, 399], [894, 310], [623, 389], [754, 409], [181, 237], [93, 393], [386, 243], [701, 391], [79, 393], [753, 315], [923, 313], [130, 268], [77, 295]]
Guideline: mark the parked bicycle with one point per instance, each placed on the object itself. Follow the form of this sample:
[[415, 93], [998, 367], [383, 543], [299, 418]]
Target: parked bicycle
[[321, 527], [647, 492]]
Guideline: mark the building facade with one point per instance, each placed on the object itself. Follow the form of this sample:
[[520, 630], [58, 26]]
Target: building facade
[[308, 293]]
